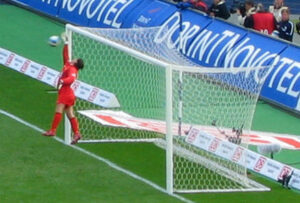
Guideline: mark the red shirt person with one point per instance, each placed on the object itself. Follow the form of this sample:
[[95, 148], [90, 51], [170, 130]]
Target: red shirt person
[[261, 21], [199, 4], [69, 74], [66, 97]]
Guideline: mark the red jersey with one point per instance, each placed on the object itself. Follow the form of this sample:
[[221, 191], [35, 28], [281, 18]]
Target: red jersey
[[264, 22], [200, 5], [69, 75]]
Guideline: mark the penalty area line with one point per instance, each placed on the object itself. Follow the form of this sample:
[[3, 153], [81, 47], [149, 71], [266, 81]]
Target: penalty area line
[[99, 158]]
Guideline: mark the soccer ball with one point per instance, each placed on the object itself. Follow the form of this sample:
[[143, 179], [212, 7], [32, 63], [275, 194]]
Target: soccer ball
[[54, 40]]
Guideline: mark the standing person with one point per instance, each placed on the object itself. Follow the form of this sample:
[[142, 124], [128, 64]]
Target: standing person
[[286, 27], [276, 9], [66, 97], [196, 4], [248, 10], [261, 21], [199, 5], [219, 9]]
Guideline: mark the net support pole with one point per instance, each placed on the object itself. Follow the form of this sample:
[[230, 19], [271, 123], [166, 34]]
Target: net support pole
[[169, 136], [67, 130], [180, 104], [67, 123], [180, 76]]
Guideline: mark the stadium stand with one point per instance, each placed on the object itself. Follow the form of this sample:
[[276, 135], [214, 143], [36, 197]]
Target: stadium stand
[[292, 4]]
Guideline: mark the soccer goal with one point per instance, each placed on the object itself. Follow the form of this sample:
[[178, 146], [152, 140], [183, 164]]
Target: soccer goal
[[162, 97]]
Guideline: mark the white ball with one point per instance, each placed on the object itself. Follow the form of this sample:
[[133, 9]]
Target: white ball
[[54, 40]]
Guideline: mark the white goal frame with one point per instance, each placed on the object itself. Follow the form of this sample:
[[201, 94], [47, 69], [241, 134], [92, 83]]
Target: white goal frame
[[169, 108]]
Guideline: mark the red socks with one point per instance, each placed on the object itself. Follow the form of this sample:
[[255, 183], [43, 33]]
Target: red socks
[[56, 121], [74, 125]]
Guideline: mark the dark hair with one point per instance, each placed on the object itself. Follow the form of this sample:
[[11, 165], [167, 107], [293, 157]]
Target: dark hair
[[249, 2], [79, 64]]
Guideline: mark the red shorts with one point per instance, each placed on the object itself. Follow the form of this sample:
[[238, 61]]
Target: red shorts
[[68, 100]]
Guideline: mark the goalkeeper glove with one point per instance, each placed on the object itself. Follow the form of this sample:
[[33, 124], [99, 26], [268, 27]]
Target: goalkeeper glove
[[64, 37]]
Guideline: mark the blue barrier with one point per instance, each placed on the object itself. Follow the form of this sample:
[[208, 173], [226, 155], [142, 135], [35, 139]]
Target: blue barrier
[[212, 44], [151, 13], [115, 14], [190, 25], [206, 41], [50, 8], [98, 13], [251, 52], [76, 11], [283, 84]]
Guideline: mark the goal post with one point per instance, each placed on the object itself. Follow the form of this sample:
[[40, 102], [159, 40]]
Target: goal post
[[162, 96]]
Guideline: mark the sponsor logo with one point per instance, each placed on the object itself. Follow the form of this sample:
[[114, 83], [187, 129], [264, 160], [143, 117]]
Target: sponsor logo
[[284, 172], [260, 164], [93, 94], [25, 66], [192, 135], [108, 11], [42, 73], [214, 145], [237, 154], [143, 19], [75, 85], [9, 59]]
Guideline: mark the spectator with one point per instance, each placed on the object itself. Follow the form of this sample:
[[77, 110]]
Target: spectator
[[298, 28], [196, 4], [286, 27], [276, 9], [219, 9], [261, 21], [199, 5], [246, 11]]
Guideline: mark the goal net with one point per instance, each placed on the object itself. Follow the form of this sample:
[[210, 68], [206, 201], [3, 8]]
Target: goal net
[[162, 96]]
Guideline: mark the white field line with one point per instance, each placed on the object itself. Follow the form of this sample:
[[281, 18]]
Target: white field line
[[99, 158]]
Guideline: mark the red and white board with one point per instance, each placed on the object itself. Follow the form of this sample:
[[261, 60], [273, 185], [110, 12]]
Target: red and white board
[[50, 76], [124, 120]]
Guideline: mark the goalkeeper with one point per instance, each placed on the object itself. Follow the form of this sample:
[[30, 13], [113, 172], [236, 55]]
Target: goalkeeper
[[66, 97]]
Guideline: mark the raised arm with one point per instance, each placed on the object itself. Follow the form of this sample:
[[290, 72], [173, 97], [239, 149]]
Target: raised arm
[[65, 54]]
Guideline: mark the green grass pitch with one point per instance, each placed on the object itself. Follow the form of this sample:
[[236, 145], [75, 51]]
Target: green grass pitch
[[37, 169]]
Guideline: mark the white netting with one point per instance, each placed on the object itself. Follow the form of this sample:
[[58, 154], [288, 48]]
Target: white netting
[[143, 40], [138, 85], [209, 103], [210, 99]]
